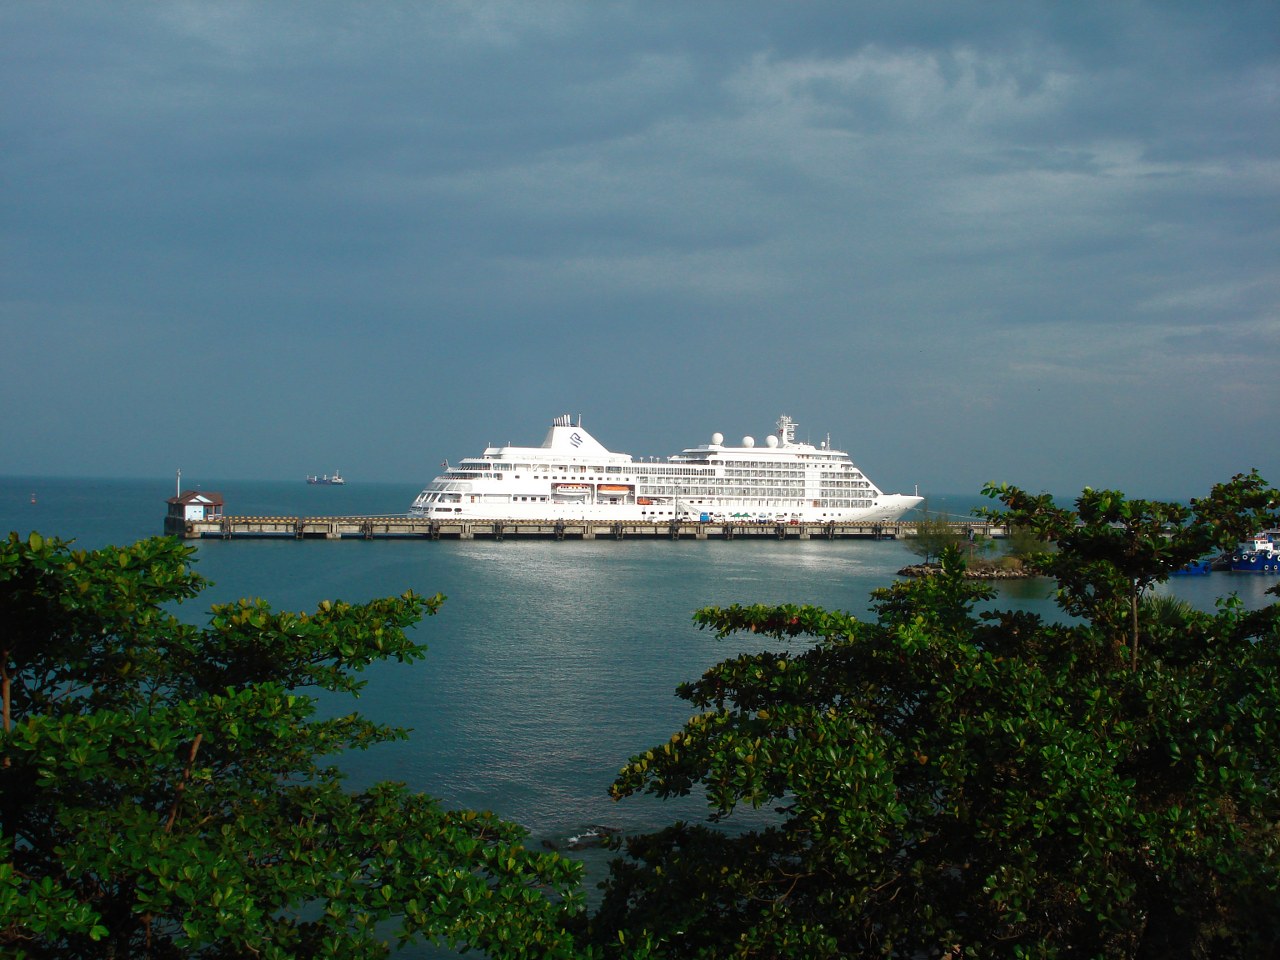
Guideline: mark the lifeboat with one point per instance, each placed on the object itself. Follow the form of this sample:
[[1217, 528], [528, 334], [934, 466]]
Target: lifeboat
[[613, 489], [570, 489]]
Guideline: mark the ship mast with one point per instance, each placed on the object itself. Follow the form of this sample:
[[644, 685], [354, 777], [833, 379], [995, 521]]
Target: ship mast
[[786, 430]]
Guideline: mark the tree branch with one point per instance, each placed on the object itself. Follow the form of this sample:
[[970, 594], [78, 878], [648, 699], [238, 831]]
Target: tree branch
[[182, 785]]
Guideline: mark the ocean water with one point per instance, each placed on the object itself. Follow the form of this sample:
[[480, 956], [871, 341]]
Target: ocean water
[[550, 663]]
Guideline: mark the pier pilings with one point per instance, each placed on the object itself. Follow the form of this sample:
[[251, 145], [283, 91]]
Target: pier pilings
[[417, 528]]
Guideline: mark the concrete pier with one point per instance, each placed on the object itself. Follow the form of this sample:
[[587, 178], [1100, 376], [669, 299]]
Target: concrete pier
[[419, 528]]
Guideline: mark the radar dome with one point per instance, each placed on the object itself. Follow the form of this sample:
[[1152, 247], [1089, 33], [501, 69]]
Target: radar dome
[[748, 442], [771, 441], [717, 438]]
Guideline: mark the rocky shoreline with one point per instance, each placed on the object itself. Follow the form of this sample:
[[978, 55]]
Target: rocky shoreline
[[974, 572]]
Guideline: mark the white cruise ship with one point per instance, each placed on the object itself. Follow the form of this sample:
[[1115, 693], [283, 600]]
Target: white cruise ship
[[572, 476]]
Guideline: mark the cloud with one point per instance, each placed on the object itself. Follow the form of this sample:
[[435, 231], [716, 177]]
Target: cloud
[[1009, 211]]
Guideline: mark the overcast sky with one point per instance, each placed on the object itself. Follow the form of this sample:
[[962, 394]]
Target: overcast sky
[[1027, 242]]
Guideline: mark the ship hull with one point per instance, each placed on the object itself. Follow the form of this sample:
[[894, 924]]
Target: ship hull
[[1255, 563], [885, 511]]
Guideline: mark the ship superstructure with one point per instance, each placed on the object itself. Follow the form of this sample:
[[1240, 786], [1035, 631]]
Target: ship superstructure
[[572, 476]]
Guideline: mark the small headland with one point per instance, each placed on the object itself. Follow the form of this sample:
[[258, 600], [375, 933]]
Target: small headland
[[1006, 569]]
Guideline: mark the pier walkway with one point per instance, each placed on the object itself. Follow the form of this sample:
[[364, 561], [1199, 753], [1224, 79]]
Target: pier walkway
[[421, 528]]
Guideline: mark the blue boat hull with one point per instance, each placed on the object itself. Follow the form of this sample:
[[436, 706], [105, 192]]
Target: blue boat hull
[[1255, 563]]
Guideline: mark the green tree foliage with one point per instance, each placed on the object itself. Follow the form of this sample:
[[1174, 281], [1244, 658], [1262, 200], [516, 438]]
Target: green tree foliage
[[934, 534], [945, 783], [1110, 549], [1021, 542], [169, 791]]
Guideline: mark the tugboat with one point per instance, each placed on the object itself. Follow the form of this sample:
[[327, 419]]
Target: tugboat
[[328, 481], [1259, 555]]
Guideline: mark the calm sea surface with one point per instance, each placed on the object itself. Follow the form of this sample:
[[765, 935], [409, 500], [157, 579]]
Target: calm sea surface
[[550, 663]]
